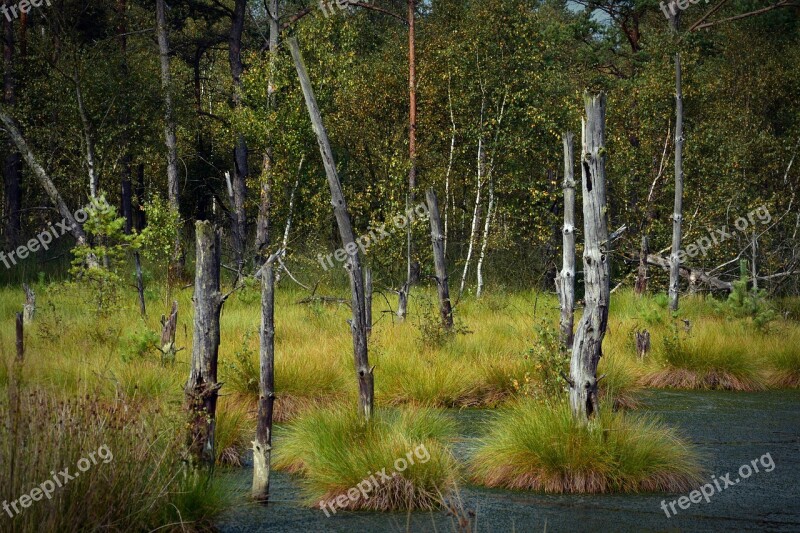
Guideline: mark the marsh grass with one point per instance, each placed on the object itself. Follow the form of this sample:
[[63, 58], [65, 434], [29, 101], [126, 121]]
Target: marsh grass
[[533, 446], [333, 450], [141, 487]]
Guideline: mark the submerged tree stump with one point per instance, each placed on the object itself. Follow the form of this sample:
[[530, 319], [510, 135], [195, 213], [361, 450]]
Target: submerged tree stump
[[202, 388], [587, 347]]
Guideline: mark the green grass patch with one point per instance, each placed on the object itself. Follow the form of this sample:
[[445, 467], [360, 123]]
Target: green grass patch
[[336, 452], [534, 446]]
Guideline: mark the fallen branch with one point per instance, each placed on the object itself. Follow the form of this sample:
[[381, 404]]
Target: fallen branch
[[692, 274]]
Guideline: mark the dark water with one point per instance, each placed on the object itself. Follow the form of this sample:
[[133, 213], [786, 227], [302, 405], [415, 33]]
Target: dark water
[[731, 428]]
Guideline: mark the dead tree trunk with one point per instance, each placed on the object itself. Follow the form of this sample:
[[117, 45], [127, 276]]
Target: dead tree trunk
[[170, 136], [587, 347], [368, 298], [437, 239], [677, 216], [358, 326], [45, 181], [290, 217], [262, 445], [127, 213], [641, 276], [262, 222], [29, 307], [169, 326], [565, 280], [202, 388]]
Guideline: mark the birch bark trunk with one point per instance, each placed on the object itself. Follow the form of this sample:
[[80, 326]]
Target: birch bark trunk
[[677, 216]]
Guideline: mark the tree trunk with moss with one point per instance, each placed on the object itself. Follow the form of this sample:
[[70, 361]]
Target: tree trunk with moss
[[587, 347]]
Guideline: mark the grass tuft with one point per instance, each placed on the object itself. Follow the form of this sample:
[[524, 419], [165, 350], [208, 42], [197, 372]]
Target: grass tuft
[[538, 447], [334, 451]]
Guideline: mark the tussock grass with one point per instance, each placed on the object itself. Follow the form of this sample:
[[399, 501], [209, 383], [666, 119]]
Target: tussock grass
[[715, 355], [334, 450], [538, 447], [784, 358]]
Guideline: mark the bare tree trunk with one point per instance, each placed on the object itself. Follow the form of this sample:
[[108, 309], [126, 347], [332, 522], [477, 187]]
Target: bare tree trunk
[[44, 180], [366, 382], [368, 298], [173, 191], [29, 307], [449, 163], [262, 445], [202, 388], [91, 155], [262, 224], [12, 165], [169, 326], [677, 216], [641, 277], [476, 212], [241, 167], [437, 240], [486, 226], [587, 347], [565, 280]]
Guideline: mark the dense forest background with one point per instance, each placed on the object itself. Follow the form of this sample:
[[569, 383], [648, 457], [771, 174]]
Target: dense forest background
[[498, 81]]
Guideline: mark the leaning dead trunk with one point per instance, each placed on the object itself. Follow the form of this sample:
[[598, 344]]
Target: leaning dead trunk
[[358, 325], [437, 239], [262, 445], [45, 181], [202, 388], [565, 280], [587, 347]]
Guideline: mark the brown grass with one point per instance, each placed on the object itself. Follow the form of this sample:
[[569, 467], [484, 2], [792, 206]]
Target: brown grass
[[398, 493], [681, 378]]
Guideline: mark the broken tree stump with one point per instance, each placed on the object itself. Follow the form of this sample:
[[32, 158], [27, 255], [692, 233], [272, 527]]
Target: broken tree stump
[[202, 388], [642, 343], [29, 308]]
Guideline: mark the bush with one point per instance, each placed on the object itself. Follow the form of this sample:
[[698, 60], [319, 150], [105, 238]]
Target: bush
[[537, 447]]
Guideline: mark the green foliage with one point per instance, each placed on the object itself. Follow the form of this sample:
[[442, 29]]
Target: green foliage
[[158, 237], [243, 372], [748, 302], [545, 363], [107, 247], [138, 344]]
